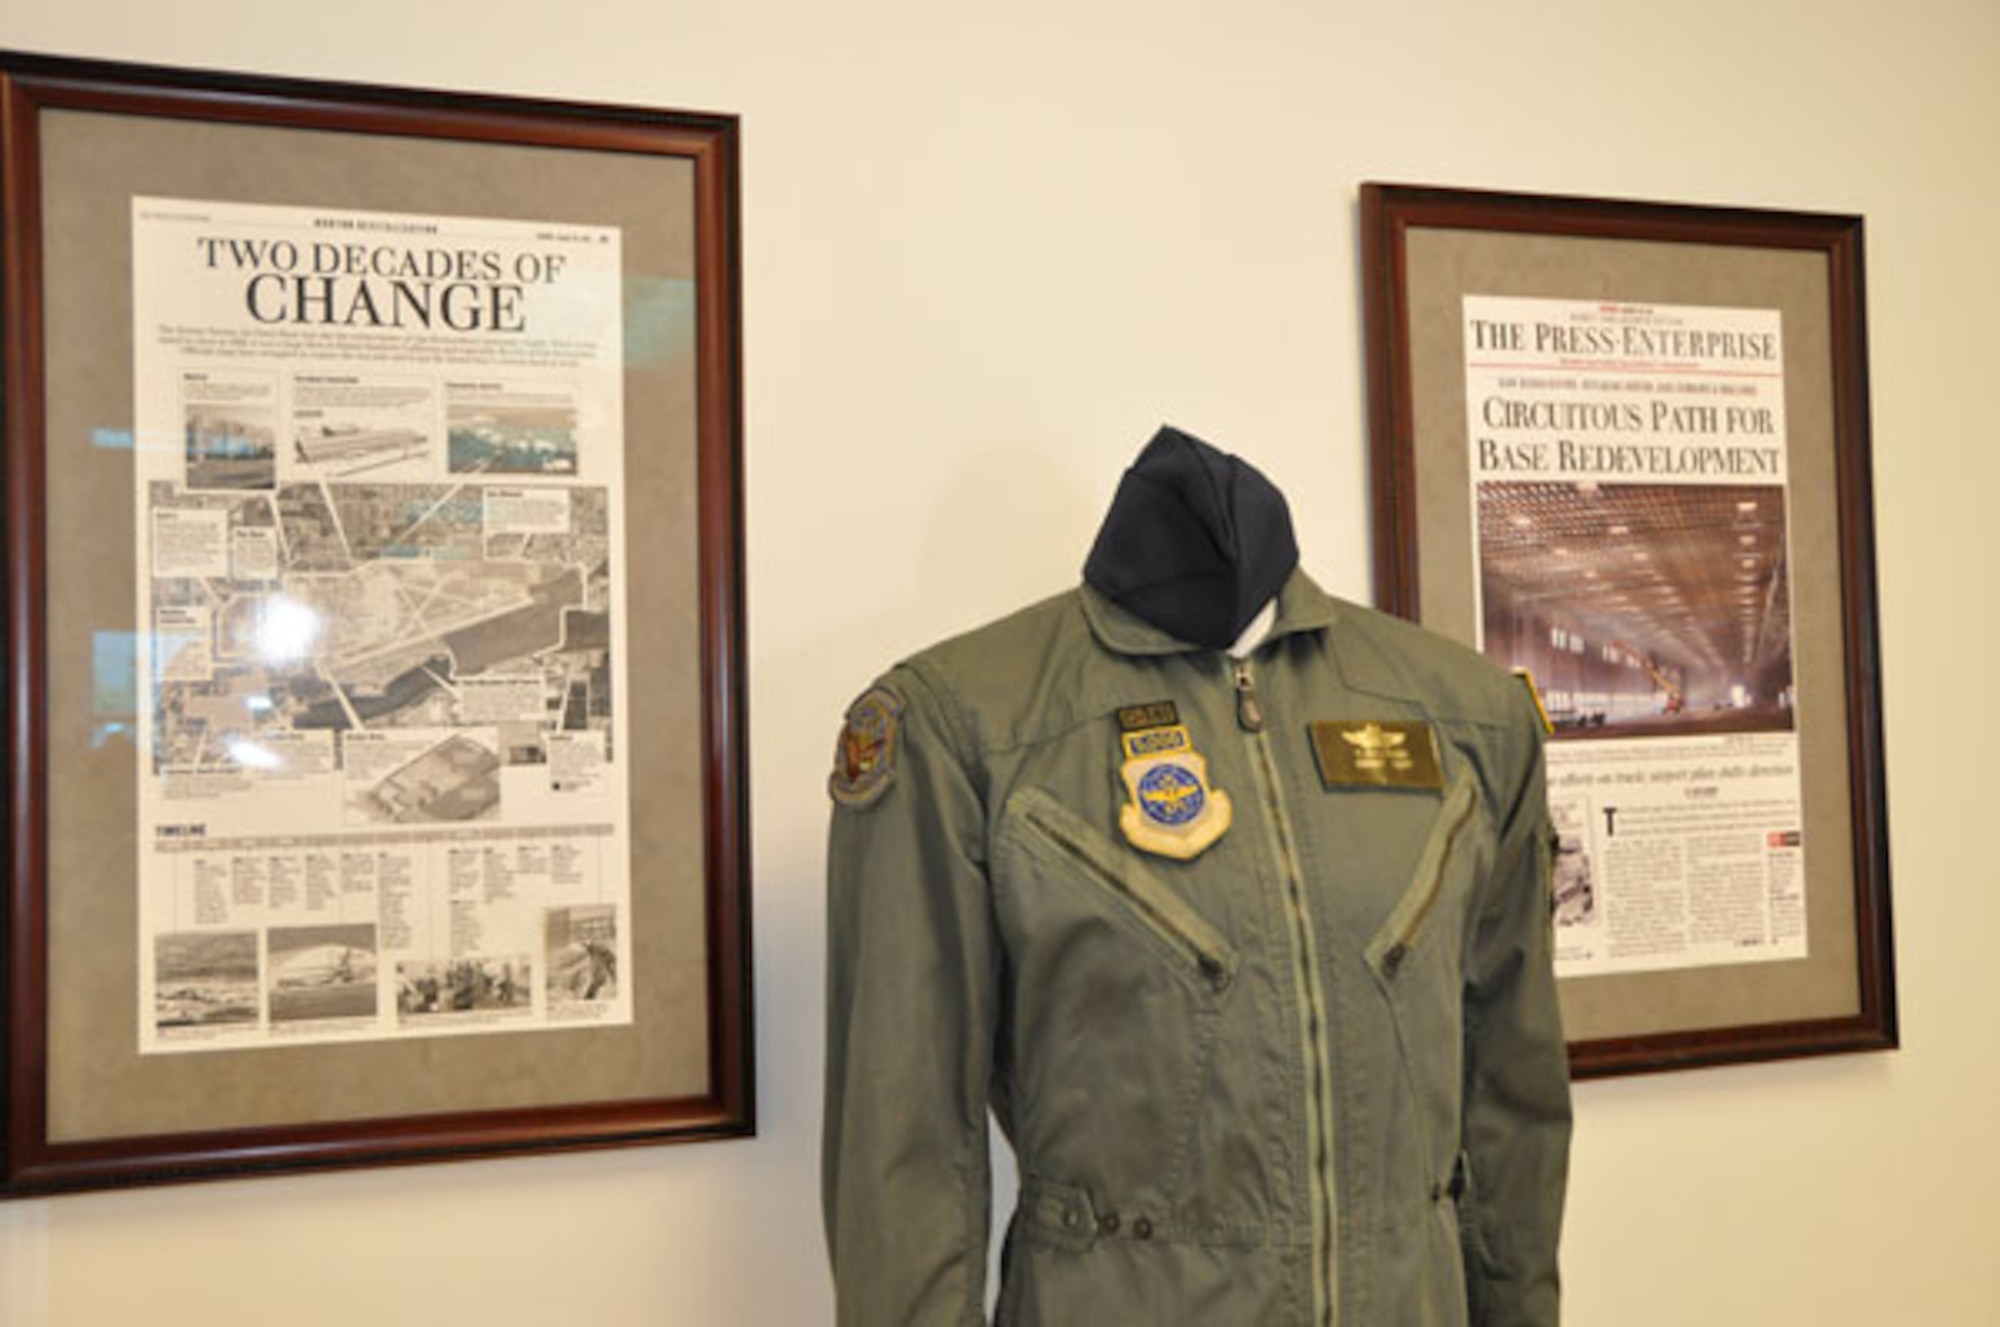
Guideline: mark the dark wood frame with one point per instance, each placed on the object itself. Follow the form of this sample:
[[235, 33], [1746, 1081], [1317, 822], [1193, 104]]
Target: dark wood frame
[[1389, 213], [29, 1162]]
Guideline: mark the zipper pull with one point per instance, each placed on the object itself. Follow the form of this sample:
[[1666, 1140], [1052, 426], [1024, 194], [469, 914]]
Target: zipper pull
[[1249, 710], [1215, 970]]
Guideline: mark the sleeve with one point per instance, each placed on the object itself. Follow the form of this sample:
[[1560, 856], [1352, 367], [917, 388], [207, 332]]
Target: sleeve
[[911, 1007], [1516, 1125]]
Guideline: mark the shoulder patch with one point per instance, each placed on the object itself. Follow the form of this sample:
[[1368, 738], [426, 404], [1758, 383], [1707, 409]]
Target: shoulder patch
[[864, 759]]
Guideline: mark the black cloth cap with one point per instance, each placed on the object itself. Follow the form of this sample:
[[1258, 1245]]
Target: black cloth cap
[[1196, 541]]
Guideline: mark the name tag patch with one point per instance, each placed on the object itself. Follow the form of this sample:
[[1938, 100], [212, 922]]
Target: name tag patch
[[1153, 714], [1377, 753]]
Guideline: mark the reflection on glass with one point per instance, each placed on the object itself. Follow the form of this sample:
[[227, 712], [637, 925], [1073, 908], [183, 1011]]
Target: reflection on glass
[[253, 755], [287, 631], [114, 694]]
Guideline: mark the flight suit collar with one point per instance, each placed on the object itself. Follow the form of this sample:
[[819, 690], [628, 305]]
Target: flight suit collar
[[1302, 606]]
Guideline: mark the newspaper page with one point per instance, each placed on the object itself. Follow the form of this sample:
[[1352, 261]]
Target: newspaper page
[[382, 769], [1628, 467]]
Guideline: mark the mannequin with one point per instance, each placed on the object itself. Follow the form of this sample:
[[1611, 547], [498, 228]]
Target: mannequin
[[1255, 631]]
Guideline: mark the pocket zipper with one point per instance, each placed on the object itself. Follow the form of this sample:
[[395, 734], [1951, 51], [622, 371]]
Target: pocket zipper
[[1430, 871], [1171, 921]]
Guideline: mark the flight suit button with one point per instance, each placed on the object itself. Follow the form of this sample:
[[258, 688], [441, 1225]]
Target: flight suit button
[[1108, 1223], [1142, 1228], [1072, 1219]]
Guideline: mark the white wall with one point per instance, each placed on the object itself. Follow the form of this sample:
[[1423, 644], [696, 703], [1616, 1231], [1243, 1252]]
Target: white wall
[[987, 251]]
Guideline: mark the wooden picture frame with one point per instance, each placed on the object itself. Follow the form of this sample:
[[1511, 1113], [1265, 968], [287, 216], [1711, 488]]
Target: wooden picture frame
[[1582, 411], [519, 919]]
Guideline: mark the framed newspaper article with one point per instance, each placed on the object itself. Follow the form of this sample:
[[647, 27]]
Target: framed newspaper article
[[1623, 448], [374, 627]]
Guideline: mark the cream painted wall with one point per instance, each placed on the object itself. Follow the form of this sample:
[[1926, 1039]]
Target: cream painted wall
[[988, 249]]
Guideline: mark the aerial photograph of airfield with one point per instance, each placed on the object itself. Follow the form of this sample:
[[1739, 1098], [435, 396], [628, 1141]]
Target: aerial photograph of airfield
[[387, 596]]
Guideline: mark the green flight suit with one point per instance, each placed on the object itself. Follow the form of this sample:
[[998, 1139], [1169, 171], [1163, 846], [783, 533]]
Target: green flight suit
[[1312, 1076]]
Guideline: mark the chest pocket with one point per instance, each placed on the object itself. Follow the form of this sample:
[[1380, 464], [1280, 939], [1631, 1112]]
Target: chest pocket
[[1396, 943], [1073, 851], [1415, 958], [1118, 988]]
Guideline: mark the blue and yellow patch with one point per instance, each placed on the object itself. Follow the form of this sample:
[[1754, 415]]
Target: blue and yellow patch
[[1171, 795], [1173, 810]]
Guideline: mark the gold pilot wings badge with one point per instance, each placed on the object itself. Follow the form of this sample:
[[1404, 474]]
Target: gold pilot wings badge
[[1174, 811], [1377, 753]]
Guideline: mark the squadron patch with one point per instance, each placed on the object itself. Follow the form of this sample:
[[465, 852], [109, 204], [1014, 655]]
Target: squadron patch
[[1173, 810], [1377, 753], [864, 759]]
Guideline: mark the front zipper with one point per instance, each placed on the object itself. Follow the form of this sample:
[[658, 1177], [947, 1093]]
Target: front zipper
[[1305, 975], [1407, 923], [1156, 907]]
